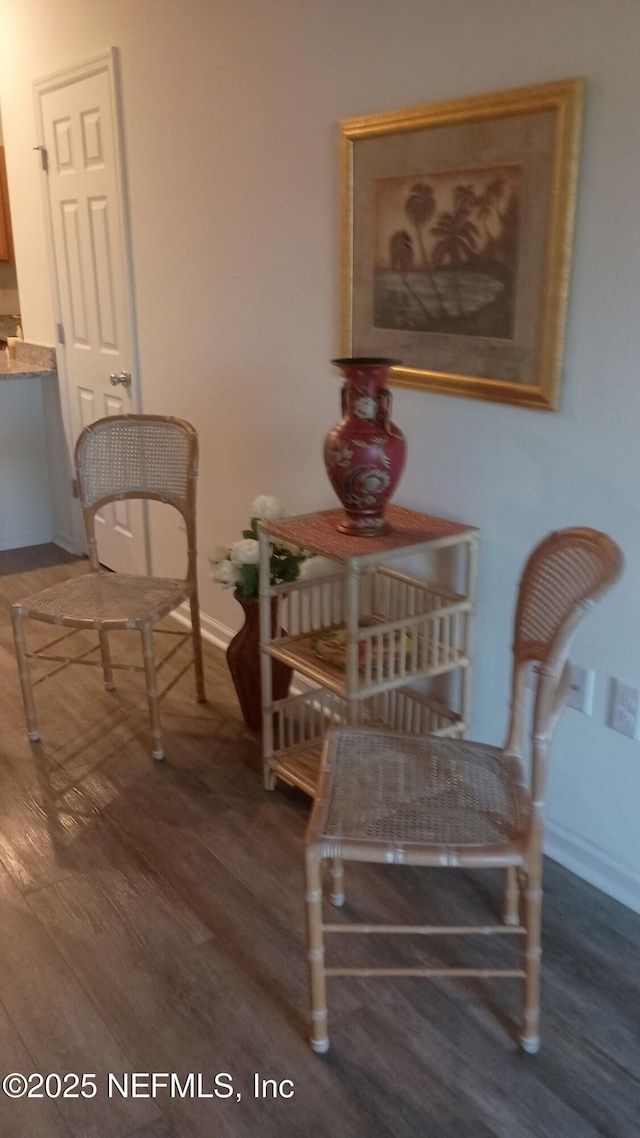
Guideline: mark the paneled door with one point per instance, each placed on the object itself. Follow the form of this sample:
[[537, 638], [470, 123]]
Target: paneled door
[[86, 213]]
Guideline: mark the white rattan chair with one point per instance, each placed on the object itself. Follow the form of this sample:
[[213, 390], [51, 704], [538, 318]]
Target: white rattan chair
[[122, 456], [426, 801]]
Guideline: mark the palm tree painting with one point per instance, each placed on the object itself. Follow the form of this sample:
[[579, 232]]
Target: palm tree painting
[[446, 251], [402, 256]]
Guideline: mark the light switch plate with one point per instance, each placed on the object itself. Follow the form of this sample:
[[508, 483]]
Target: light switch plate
[[581, 693], [623, 708], [582, 685]]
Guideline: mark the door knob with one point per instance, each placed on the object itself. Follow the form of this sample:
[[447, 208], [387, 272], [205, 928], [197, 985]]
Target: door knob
[[124, 378]]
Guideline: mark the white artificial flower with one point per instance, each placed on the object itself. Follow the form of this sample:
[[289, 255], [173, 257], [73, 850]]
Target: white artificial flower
[[317, 567], [220, 553], [268, 509], [245, 552], [225, 573]]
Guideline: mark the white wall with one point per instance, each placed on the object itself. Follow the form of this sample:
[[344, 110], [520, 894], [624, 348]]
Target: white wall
[[231, 113]]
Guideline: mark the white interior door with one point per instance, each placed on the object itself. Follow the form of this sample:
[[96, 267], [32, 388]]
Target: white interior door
[[79, 132]]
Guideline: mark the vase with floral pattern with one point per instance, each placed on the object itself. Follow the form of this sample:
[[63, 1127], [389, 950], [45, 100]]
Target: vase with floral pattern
[[365, 452]]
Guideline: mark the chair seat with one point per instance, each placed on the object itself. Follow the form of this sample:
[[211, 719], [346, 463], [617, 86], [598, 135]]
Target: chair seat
[[402, 791], [116, 599]]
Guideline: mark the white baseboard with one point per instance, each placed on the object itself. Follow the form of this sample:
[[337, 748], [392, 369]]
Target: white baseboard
[[212, 630], [66, 542], [583, 858], [593, 864]]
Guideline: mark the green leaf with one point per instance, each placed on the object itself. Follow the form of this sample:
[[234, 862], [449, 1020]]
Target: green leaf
[[249, 580]]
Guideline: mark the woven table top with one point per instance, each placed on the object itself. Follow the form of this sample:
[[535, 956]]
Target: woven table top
[[319, 534]]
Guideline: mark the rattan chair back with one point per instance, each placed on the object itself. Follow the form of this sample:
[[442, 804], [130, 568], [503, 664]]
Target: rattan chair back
[[570, 568], [563, 578], [137, 456]]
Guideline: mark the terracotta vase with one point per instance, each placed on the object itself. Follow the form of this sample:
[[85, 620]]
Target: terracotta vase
[[243, 658], [365, 452]]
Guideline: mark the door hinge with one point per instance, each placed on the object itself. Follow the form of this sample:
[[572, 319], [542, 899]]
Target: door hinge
[[74, 488], [44, 158], [60, 331]]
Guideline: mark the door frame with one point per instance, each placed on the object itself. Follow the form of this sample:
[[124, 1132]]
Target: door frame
[[109, 62]]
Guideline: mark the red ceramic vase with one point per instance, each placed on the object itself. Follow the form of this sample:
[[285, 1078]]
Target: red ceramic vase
[[243, 660], [365, 452]]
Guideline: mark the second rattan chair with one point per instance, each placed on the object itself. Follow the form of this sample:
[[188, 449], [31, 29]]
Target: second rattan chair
[[122, 456], [427, 801]]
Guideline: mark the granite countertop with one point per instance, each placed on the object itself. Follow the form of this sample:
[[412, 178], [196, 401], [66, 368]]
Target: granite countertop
[[33, 361], [19, 369]]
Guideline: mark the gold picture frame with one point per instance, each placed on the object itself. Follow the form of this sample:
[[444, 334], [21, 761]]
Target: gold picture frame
[[457, 223]]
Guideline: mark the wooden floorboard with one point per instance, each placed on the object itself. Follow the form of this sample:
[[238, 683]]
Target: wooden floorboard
[[57, 1018], [17, 1116], [151, 919]]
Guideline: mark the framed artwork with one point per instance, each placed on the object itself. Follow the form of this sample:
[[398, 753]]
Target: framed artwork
[[456, 241]]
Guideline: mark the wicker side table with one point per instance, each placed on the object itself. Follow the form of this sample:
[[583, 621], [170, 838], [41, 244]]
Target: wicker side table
[[370, 639]]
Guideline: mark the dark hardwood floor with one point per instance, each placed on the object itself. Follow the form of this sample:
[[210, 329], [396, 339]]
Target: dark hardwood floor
[[152, 921]]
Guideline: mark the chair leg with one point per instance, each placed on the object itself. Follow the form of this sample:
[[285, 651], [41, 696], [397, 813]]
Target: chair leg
[[106, 661], [530, 1037], [196, 636], [17, 619], [511, 897], [336, 871], [315, 945], [152, 692]]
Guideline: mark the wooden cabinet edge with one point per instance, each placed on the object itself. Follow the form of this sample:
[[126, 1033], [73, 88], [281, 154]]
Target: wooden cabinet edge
[[6, 237]]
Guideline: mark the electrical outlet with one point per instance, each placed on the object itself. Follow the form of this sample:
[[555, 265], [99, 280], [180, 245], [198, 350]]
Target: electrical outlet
[[623, 708]]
